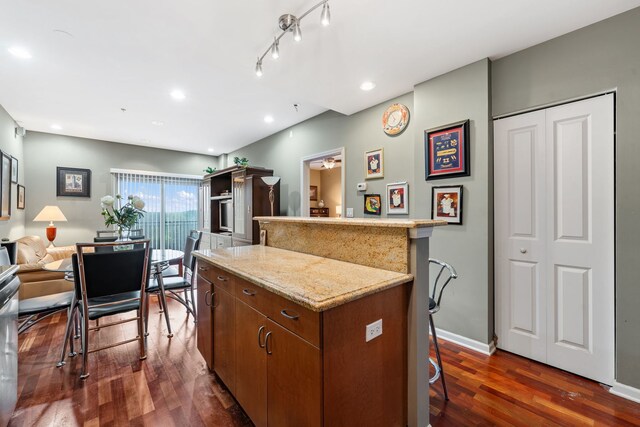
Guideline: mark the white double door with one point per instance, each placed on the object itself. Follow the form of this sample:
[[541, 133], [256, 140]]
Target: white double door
[[554, 236]]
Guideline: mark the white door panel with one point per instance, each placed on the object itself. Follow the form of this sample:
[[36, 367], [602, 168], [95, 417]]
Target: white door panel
[[554, 242]]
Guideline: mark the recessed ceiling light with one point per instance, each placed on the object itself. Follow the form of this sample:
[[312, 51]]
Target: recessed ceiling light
[[367, 85], [19, 52], [178, 95], [56, 127], [157, 123], [210, 150], [268, 119]]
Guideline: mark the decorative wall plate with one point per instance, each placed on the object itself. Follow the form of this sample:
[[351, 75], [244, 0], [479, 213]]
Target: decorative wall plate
[[395, 119]]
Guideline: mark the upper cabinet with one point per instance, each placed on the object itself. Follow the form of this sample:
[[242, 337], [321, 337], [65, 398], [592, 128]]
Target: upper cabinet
[[237, 194]]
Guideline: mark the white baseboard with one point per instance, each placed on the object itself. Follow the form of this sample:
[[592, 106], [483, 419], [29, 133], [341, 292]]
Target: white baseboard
[[478, 346], [625, 391]]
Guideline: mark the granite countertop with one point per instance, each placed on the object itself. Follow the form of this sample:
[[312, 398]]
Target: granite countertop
[[367, 222], [314, 282]]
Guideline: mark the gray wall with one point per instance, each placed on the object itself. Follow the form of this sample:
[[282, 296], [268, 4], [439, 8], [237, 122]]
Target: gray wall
[[12, 145], [356, 133], [459, 95], [47, 151], [597, 58]]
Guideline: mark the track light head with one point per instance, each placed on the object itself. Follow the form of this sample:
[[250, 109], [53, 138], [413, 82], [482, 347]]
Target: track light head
[[275, 50], [297, 32], [325, 17], [259, 68]]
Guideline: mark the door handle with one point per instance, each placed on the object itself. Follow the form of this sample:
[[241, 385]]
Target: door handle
[[523, 251], [260, 331], [266, 343], [205, 298], [289, 316], [212, 295], [222, 278], [248, 292]]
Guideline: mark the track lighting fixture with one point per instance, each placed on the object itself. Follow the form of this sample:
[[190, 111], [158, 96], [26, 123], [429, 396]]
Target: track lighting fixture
[[291, 23]]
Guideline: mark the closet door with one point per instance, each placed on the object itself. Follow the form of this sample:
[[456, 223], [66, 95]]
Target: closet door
[[554, 236], [580, 238], [520, 238]]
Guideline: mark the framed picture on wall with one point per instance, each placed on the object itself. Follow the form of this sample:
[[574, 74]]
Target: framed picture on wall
[[446, 151], [20, 204], [14, 170], [374, 164], [5, 187], [397, 198], [446, 203], [372, 204], [73, 182], [313, 193]]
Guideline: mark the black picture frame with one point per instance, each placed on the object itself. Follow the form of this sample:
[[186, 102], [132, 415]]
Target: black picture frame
[[5, 187], [73, 182], [372, 204], [446, 151], [313, 193], [20, 202], [14, 170], [451, 210]]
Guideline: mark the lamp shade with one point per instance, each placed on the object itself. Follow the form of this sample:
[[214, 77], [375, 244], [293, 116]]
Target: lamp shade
[[270, 180], [50, 213], [338, 209]]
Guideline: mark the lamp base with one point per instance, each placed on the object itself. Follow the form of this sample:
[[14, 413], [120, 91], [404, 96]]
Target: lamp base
[[51, 235]]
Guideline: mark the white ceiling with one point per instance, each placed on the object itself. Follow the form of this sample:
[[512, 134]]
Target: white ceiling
[[90, 59]]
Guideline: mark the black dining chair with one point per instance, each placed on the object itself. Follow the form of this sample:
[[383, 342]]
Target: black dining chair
[[445, 274], [172, 285], [108, 283], [173, 270]]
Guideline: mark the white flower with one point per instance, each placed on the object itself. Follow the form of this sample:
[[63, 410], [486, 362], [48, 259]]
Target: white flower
[[107, 201], [137, 203]]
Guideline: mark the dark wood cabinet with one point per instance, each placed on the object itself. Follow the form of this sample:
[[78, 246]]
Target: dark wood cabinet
[[251, 363], [204, 327], [319, 212], [250, 196], [294, 395], [224, 336]]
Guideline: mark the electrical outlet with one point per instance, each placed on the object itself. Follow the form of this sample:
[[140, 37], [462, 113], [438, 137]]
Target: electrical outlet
[[349, 212], [373, 330]]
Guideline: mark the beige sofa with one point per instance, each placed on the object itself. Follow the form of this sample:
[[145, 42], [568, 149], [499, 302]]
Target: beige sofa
[[32, 255]]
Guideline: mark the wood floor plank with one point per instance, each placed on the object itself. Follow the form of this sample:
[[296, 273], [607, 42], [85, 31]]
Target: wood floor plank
[[173, 386]]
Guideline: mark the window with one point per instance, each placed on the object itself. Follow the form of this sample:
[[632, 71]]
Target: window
[[171, 204]]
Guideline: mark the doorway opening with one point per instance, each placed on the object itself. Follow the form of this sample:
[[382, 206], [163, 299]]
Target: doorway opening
[[322, 185]]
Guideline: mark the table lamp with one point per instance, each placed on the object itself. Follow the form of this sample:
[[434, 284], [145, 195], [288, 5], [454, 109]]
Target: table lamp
[[50, 213], [271, 181]]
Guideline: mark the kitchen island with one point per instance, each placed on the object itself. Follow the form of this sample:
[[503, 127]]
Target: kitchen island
[[302, 339]]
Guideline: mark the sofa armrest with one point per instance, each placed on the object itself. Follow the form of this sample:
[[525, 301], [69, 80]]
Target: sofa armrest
[[61, 252], [25, 268]]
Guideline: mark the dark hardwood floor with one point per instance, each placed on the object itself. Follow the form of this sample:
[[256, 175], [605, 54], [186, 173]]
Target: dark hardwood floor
[[174, 387]]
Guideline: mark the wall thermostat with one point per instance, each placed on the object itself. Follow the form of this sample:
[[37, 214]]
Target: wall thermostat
[[362, 186]]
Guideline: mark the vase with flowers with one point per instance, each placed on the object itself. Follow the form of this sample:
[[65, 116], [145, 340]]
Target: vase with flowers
[[122, 216]]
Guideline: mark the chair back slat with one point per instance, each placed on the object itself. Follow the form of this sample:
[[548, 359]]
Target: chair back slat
[[445, 274], [109, 272], [192, 244]]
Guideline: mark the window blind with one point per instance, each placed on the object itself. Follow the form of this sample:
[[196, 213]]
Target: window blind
[[171, 205]]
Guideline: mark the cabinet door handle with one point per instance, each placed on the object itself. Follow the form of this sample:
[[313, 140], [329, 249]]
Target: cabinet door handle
[[266, 342], [289, 316], [212, 295], [203, 268], [260, 331], [222, 278], [206, 302], [248, 292]]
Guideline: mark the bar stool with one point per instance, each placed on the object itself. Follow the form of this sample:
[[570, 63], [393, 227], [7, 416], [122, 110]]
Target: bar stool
[[441, 282]]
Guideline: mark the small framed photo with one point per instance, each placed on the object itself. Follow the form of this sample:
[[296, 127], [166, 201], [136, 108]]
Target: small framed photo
[[446, 203], [14, 170], [73, 182], [374, 164], [397, 198], [313, 193], [5, 187], [20, 204], [446, 151], [372, 204]]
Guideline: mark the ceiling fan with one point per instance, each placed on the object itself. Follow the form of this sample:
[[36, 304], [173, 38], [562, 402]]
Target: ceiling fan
[[330, 163]]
